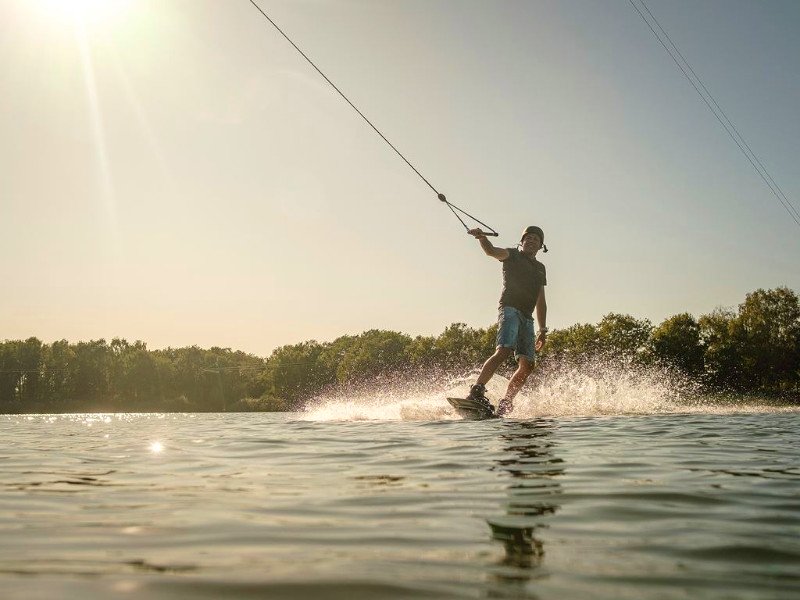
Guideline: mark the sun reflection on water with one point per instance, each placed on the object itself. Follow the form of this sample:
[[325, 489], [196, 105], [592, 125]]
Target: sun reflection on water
[[156, 447]]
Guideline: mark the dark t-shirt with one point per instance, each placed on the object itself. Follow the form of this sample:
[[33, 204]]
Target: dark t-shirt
[[523, 278]]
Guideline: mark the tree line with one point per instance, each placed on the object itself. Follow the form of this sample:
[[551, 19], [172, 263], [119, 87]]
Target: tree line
[[752, 349]]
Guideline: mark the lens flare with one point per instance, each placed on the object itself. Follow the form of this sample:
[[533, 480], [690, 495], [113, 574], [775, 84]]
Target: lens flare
[[106, 185]]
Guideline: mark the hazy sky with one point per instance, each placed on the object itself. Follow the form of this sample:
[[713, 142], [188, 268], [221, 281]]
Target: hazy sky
[[173, 171]]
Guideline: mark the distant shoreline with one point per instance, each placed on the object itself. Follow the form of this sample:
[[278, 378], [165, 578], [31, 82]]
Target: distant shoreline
[[751, 352]]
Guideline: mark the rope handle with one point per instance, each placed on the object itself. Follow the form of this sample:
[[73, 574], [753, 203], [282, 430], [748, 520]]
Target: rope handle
[[454, 208]]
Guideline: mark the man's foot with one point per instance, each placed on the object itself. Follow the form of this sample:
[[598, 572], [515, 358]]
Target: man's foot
[[478, 393], [504, 407]]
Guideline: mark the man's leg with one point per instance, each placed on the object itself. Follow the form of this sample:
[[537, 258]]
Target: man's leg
[[478, 391], [493, 363], [518, 379], [507, 334]]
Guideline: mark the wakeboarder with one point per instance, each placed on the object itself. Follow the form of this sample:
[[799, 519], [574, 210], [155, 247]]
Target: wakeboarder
[[524, 279]]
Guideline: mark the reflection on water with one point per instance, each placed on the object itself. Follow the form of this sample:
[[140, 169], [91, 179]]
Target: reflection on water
[[532, 493]]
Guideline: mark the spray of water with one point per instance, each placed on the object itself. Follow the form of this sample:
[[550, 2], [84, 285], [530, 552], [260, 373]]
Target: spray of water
[[399, 397], [596, 387]]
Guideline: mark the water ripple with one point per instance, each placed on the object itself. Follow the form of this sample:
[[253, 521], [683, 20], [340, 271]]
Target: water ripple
[[165, 506]]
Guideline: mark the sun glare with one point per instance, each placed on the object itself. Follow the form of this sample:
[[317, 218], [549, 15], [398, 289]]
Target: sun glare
[[86, 11]]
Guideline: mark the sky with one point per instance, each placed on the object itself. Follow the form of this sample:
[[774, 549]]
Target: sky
[[173, 171]]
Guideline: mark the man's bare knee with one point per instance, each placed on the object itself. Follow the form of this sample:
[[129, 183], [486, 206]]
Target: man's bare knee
[[525, 367], [502, 352]]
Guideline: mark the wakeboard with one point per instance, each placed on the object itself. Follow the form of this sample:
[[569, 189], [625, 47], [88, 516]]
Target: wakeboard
[[473, 410]]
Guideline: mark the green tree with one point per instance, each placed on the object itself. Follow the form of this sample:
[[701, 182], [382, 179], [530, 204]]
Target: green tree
[[31, 361], [93, 374], [421, 351], [137, 378], [10, 376], [722, 342], [295, 371], [571, 343], [372, 353], [190, 379], [676, 342], [623, 336], [458, 347], [59, 377], [768, 327]]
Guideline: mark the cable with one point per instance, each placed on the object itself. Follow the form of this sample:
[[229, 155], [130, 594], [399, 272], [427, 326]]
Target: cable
[[765, 176], [790, 207], [439, 195], [722, 112]]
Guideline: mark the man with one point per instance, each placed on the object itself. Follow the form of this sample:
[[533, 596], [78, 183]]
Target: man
[[524, 279]]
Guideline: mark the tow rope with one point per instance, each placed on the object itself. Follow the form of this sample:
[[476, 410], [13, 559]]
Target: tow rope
[[455, 209]]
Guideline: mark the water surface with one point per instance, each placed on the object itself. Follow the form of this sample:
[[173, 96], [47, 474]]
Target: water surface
[[680, 505]]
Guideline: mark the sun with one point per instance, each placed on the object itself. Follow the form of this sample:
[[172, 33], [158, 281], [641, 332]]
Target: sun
[[85, 11]]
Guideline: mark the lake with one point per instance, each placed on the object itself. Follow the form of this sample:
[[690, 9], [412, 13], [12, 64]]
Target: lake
[[398, 498]]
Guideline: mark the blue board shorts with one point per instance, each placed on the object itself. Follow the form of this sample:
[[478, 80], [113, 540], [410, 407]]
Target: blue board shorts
[[515, 330]]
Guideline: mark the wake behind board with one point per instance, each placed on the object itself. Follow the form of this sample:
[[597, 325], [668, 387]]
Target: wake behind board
[[472, 410]]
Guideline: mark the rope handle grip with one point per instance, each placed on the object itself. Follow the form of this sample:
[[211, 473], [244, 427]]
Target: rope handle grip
[[454, 208]]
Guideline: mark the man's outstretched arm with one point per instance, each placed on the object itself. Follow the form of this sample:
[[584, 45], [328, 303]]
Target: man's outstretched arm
[[488, 248]]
